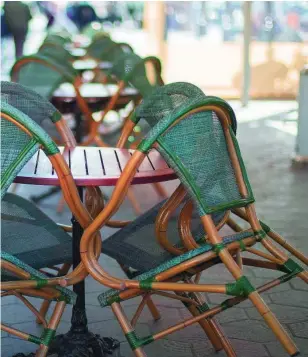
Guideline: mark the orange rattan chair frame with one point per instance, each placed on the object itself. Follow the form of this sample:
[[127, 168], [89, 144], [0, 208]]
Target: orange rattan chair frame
[[171, 279]]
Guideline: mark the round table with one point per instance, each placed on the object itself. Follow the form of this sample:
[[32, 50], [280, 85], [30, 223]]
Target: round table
[[83, 65], [96, 95], [90, 166]]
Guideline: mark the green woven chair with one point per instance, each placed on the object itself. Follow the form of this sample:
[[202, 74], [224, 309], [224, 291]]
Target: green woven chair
[[42, 74], [48, 118], [109, 51], [135, 254], [162, 102], [38, 109], [52, 74], [59, 55], [30, 240], [131, 69], [197, 140], [98, 45]]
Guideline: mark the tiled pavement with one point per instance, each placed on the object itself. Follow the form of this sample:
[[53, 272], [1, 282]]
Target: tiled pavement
[[267, 144]]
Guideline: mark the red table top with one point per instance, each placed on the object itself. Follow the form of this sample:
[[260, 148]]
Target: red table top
[[93, 166]]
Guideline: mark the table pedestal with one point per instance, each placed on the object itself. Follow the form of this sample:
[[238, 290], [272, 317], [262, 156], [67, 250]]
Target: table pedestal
[[79, 341]]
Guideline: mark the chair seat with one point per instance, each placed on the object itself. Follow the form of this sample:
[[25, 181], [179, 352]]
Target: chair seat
[[31, 241], [136, 245], [107, 297], [31, 236]]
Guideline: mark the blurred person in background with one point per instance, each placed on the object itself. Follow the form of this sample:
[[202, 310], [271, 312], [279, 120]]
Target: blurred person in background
[[81, 13], [48, 8], [17, 16]]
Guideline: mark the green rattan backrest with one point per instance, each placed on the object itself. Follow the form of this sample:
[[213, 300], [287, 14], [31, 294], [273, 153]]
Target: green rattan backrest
[[131, 69], [99, 45], [60, 40], [17, 147], [30, 103], [42, 74], [165, 100], [114, 51], [195, 147], [59, 54]]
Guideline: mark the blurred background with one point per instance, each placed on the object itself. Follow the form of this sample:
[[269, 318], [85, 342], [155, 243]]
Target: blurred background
[[197, 41]]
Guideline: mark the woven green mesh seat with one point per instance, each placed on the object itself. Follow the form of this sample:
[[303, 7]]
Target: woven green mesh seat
[[105, 297], [136, 245], [42, 74], [131, 69], [32, 104], [29, 237]]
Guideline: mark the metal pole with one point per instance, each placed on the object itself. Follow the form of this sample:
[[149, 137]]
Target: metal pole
[[246, 53]]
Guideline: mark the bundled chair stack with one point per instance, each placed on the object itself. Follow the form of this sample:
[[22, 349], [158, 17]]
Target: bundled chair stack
[[163, 251]]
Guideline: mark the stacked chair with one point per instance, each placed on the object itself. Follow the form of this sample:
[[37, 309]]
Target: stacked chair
[[31, 241], [164, 251], [213, 182]]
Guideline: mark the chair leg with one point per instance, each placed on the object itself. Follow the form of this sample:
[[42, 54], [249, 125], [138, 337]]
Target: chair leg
[[43, 310], [254, 296], [126, 326], [283, 243], [53, 324], [46, 303], [261, 306], [153, 309], [211, 327]]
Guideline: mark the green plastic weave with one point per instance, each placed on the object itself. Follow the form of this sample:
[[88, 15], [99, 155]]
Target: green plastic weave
[[99, 45], [44, 76], [29, 102], [58, 39], [131, 69], [59, 55], [17, 147], [166, 100], [196, 149]]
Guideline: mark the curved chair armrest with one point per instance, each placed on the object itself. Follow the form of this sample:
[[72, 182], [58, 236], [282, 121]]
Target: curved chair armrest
[[70, 77], [158, 68], [163, 217], [184, 225]]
